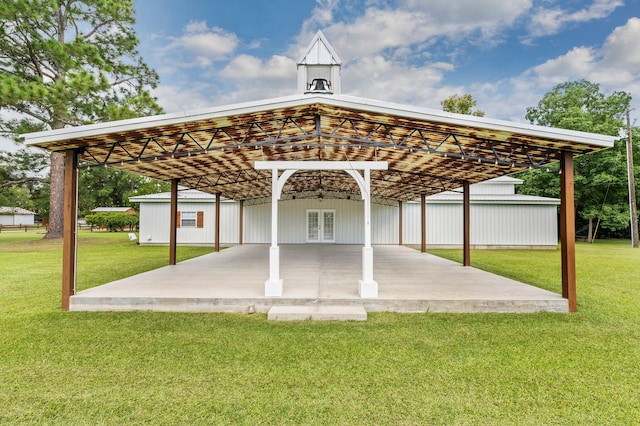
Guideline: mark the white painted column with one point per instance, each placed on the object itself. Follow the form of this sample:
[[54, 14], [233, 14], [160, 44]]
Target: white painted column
[[367, 287], [273, 286]]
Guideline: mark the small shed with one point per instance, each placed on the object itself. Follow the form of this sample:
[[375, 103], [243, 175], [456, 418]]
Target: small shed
[[16, 216]]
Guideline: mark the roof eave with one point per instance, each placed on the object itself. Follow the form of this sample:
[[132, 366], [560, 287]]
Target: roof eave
[[367, 105]]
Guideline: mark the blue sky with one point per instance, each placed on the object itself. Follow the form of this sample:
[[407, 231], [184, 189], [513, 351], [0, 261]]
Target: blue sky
[[506, 53]]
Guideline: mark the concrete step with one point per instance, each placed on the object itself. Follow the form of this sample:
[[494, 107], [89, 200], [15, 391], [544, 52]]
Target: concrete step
[[317, 313]]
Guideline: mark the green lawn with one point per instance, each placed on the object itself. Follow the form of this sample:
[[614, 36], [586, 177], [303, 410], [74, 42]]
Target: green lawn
[[173, 368]]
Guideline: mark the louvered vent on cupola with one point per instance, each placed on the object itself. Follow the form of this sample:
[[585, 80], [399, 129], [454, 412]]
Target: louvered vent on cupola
[[319, 68]]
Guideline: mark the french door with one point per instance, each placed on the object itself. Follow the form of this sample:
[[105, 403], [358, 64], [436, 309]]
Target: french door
[[321, 226]]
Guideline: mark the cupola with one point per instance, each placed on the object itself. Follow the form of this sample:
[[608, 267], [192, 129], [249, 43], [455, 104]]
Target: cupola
[[319, 68]]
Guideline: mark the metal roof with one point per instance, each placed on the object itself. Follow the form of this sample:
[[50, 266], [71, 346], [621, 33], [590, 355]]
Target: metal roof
[[184, 195], [214, 150], [4, 210], [449, 197], [111, 209]]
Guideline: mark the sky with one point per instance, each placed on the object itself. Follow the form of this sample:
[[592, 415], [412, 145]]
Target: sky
[[506, 53]]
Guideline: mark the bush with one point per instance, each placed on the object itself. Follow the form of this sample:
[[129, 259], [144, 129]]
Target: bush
[[114, 222]]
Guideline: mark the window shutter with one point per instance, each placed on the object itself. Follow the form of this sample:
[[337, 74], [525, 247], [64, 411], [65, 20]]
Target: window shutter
[[200, 220], [178, 220]]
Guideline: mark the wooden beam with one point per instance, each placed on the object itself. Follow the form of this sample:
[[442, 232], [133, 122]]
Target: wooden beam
[[70, 227], [217, 245], [399, 223], [423, 223], [173, 227], [466, 214], [240, 223], [568, 230]]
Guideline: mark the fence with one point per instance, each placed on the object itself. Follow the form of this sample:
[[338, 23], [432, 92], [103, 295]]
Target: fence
[[19, 228]]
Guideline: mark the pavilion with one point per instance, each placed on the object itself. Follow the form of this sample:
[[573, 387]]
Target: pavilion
[[288, 147]]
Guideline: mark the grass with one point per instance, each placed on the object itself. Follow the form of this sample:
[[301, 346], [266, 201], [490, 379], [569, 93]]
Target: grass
[[174, 368]]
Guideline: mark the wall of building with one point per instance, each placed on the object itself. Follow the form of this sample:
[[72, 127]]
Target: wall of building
[[292, 221], [505, 225], [17, 219], [492, 225], [154, 223]]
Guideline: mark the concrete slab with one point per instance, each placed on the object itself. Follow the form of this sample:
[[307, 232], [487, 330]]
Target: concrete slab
[[317, 313], [317, 275]]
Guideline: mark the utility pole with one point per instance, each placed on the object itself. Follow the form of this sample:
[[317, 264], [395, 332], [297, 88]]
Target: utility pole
[[632, 186]]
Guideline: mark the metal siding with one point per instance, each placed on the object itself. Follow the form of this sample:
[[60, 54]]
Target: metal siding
[[292, 219], [511, 225], [257, 224], [444, 224], [229, 218], [491, 224], [154, 223], [16, 219], [493, 188], [384, 224], [411, 223], [204, 235]]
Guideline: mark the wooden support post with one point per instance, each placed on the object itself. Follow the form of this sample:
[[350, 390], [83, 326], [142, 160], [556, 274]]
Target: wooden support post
[[466, 214], [568, 230], [399, 223], [70, 232], [423, 223], [217, 245], [240, 223], [173, 228]]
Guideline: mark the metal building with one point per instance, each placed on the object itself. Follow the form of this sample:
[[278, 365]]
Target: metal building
[[320, 144]]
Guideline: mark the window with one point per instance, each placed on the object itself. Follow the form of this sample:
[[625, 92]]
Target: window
[[188, 219]]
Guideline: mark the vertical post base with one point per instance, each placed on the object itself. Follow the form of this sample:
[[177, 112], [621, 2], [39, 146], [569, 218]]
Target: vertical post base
[[367, 287], [273, 286]]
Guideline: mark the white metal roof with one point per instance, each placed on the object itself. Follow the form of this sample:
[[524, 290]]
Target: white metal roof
[[448, 197], [190, 195], [368, 105], [111, 209], [14, 210]]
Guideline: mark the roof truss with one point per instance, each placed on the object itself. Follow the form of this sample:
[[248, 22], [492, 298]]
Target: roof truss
[[217, 154]]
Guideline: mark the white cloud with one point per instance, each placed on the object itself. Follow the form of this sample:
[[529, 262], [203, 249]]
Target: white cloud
[[620, 49], [615, 63], [177, 98], [578, 63], [549, 21], [486, 15], [201, 46], [615, 66], [379, 78], [256, 78], [414, 24], [247, 67]]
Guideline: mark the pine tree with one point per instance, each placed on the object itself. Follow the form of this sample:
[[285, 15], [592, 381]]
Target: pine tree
[[67, 63]]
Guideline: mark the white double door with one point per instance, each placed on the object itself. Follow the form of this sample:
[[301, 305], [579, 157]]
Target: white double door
[[321, 226]]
